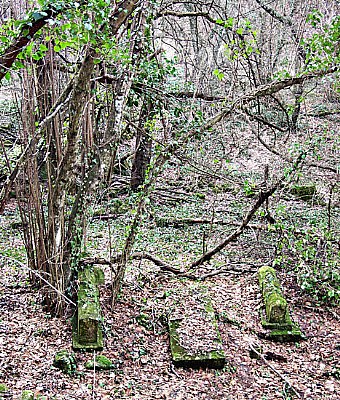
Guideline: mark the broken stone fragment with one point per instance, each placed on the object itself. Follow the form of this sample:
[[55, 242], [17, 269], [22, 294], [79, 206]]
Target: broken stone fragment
[[101, 363], [65, 361], [87, 332], [277, 317]]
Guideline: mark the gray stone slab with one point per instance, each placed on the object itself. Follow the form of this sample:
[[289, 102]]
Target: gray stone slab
[[195, 340]]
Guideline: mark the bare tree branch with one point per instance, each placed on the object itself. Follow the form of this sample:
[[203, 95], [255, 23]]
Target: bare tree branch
[[261, 199]]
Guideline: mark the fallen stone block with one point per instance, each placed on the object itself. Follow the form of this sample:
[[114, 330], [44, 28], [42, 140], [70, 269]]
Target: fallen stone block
[[276, 316], [87, 333], [195, 340], [65, 361]]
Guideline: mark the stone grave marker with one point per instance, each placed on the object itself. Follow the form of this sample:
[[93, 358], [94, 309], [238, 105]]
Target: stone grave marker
[[275, 315], [87, 333], [195, 340]]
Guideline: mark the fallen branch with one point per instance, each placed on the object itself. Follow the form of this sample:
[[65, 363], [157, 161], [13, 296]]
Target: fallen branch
[[232, 237], [95, 261], [160, 263], [197, 221], [263, 196]]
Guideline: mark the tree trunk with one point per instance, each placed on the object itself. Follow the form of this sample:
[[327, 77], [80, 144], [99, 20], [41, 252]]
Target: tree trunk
[[142, 155]]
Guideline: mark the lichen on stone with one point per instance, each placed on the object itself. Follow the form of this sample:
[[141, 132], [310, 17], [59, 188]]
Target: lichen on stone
[[275, 304], [194, 337], [86, 327]]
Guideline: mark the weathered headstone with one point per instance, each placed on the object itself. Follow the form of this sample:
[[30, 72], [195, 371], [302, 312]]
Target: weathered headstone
[[276, 316], [194, 336], [87, 333]]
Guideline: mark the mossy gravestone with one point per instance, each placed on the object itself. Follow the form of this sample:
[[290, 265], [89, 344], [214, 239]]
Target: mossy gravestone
[[194, 337], [276, 316], [87, 333]]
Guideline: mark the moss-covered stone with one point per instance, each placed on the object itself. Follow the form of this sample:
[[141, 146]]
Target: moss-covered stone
[[293, 334], [27, 395], [3, 388], [191, 353], [274, 302], [87, 332], [101, 363], [277, 317], [65, 361], [304, 192]]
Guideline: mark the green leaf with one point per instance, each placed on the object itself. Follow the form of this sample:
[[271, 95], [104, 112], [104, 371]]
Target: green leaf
[[218, 74], [8, 76]]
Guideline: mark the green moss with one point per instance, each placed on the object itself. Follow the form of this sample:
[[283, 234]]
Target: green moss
[[181, 358], [65, 361], [275, 304], [222, 188], [286, 335], [27, 395], [3, 388], [277, 317], [101, 363]]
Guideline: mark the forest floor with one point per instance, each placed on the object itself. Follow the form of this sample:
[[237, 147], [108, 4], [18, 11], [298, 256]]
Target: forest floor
[[135, 332]]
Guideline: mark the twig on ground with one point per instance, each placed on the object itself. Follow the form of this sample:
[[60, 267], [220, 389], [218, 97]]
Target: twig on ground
[[94, 374], [172, 369], [291, 387]]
